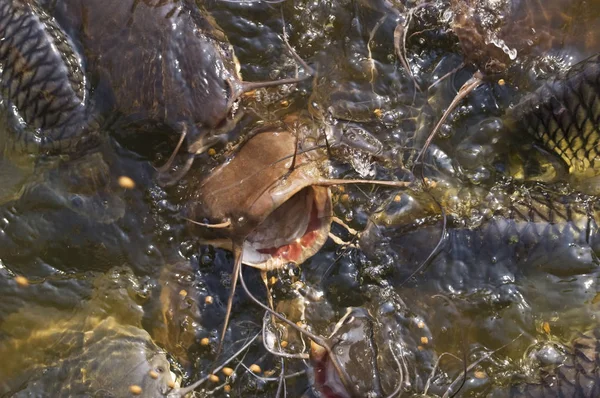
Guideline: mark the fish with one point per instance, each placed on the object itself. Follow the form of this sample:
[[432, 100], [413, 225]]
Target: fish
[[99, 347], [378, 349], [166, 66], [563, 115], [270, 202], [567, 372], [43, 83]]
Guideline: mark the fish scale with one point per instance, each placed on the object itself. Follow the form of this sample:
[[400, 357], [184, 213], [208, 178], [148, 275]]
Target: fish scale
[[42, 76], [564, 114], [577, 376]]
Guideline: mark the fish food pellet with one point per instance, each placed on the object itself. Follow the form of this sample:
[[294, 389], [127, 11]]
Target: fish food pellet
[[126, 182], [213, 378], [135, 390], [424, 340], [153, 374], [205, 341], [546, 327], [212, 152], [227, 388], [284, 344], [171, 384], [21, 281], [227, 371], [254, 368], [208, 300], [182, 293]]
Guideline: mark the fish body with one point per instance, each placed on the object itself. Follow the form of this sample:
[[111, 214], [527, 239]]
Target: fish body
[[42, 79], [576, 373], [166, 63], [564, 116]]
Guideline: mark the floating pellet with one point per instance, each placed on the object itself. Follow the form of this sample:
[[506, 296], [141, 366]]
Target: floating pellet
[[153, 374], [227, 371], [171, 384], [205, 341], [480, 375], [546, 327], [227, 388], [284, 344], [183, 293], [126, 182], [135, 390], [424, 340], [208, 300], [213, 378], [212, 152], [21, 281], [254, 368]]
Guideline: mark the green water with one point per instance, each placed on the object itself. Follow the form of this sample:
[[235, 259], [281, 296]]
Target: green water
[[65, 222]]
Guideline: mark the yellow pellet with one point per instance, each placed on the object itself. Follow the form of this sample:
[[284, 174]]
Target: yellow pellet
[[212, 152], [182, 293], [171, 384], [153, 374], [21, 281], [378, 112], [126, 182], [254, 368], [208, 300], [285, 103], [421, 325], [424, 340], [501, 82], [227, 371], [284, 344], [135, 390], [480, 375], [272, 280], [227, 388], [546, 327], [213, 378], [205, 341]]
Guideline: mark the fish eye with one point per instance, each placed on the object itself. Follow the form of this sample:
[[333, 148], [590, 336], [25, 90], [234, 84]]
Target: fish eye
[[160, 369]]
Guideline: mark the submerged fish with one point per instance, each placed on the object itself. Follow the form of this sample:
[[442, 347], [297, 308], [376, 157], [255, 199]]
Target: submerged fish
[[43, 82], [378, 348], [564, 116], [100, 348], [571, 372]]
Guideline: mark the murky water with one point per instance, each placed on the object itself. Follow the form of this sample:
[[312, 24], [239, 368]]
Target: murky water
[[495, 257]]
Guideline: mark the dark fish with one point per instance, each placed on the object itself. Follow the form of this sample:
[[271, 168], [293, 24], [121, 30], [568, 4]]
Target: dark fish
[[377, 349], [564, 115], [576, 373], [519, 230], [42, 78]]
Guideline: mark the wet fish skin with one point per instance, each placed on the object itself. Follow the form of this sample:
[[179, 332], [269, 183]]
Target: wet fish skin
[[577, 376], [42, 77], [564, 115]]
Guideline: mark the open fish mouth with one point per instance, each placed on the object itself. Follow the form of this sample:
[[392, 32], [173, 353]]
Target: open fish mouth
[[293, 232]]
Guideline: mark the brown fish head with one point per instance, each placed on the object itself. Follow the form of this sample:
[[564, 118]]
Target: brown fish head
[[277, 213]]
